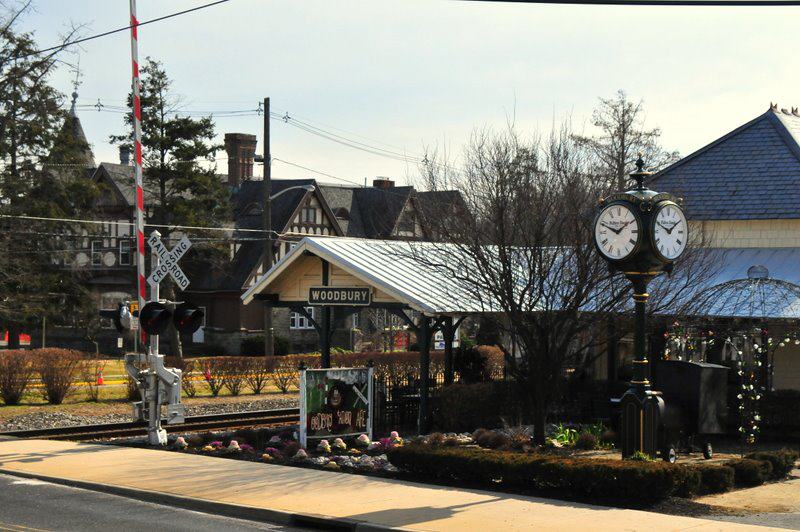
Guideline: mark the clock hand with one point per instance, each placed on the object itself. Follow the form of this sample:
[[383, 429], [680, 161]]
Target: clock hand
[[616, 231], [669, 231]]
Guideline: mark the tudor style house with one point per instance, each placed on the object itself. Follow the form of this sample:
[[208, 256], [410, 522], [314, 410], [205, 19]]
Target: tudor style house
[[382, 211]]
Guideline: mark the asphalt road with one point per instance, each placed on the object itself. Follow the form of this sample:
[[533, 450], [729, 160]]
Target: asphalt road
[[32, 505]]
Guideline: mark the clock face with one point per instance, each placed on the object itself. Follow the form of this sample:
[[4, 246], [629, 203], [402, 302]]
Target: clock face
[[670, 231], [617, 232]]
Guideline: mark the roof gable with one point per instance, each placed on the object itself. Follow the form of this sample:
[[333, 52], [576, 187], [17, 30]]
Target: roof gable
[[753, 172]]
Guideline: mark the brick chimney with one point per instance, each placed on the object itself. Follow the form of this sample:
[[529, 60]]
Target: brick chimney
[[241, 149], [382, 182], [124, 155]]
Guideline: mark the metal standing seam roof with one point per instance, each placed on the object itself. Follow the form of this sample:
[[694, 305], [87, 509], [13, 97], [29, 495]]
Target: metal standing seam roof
[[392, 267]]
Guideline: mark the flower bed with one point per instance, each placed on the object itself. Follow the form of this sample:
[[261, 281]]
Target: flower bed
[[496, 461]]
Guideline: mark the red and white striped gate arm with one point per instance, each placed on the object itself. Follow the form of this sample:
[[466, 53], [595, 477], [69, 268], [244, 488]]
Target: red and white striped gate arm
[[137, 149]]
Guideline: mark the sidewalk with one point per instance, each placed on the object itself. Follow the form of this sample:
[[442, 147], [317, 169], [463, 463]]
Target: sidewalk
[[287, 494]]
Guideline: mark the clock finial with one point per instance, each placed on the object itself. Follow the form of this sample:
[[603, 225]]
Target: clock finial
[[640, 174]]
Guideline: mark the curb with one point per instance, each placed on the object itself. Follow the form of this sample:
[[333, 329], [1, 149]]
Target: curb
[[265, 515]]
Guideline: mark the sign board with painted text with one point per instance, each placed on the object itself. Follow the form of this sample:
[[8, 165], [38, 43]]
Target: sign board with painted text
[[335, 403], [344, 296]]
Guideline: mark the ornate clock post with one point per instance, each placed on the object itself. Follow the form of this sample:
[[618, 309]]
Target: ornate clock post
[[640, 233]]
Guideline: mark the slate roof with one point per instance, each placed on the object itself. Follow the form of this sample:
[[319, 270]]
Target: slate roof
[[373, 211], [247, 209], [753, 172]]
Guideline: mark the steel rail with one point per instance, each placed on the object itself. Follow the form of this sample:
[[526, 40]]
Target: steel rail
[[233, 420]]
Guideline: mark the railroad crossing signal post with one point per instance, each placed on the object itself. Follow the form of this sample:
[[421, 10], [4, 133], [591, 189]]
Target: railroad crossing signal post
[[158, 384]]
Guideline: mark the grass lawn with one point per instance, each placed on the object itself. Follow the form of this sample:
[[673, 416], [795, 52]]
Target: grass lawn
[[113, 398]]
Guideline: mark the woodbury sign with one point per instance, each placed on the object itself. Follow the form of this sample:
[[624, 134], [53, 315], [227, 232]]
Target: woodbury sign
[[339, 295]]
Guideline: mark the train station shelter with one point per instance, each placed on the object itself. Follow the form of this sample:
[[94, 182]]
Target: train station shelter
[[344, 275]]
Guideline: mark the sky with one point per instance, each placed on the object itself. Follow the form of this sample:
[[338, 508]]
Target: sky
[[407, 75]]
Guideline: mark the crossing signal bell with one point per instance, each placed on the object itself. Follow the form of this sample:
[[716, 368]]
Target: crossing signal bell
[[187, 318], [154, 318]]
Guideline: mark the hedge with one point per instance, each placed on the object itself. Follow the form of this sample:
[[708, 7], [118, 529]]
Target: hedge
[[627, 480], [749, 472], [782, 461], [637, 482], [463, 407], [713, 478]]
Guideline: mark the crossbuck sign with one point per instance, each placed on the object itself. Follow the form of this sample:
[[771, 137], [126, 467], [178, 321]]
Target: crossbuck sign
[[168, 261]]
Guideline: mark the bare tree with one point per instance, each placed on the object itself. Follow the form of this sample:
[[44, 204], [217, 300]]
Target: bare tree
[[622, 137], [523, 249]]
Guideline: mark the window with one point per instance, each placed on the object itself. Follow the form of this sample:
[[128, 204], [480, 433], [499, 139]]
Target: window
[[298, 321], [124, 252], [309, 215], [97, 254], [406, 225]]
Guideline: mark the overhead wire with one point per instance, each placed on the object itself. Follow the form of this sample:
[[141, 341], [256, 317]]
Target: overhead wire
[[118, 30]]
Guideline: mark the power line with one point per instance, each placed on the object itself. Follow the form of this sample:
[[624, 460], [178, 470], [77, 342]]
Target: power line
[[116, 222], [125, 28]]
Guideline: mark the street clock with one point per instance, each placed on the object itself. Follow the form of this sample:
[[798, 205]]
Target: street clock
[[641, 233]]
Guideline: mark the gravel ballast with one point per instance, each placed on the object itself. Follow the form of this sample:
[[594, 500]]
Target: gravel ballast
[[194, 407]]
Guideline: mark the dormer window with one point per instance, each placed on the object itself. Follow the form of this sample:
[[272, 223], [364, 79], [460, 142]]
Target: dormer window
[[342, 214], [308, 215]]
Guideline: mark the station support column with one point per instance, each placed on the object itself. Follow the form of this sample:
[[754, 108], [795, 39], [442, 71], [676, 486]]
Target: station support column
[[424, 341], [325, 322]]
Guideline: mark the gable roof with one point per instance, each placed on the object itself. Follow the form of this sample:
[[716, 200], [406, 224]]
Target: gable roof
[[373, 211], [248, 201], [753, 172], [391, 266]]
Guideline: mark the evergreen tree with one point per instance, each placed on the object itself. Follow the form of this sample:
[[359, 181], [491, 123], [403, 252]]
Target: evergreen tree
[[174, 147], [33, 282]]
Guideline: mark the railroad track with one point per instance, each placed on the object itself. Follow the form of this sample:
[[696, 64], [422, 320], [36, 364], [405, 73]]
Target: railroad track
[[234, 420]]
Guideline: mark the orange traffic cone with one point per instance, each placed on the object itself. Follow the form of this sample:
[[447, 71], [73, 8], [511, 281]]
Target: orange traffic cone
[[100, 378]]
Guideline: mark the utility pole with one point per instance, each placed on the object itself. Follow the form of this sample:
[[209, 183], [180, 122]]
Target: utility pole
[[269, 344]]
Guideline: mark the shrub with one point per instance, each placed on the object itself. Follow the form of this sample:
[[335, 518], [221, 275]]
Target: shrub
[[285, 374], [132, 389], [463, 407], [290, 448], [234, 372], [212, 373], [16, 372], [493, 440], [254, 346], [586, 441], [91, 369], [748, 472], [623, 479], [58, 369], [187, 368], [782, 461], [258, 371], [714, 478], [471, 365]]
